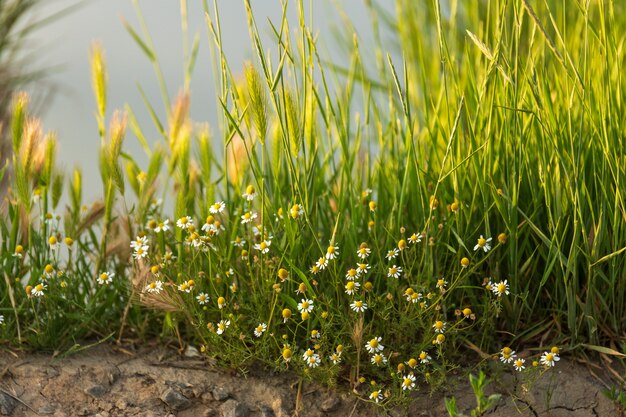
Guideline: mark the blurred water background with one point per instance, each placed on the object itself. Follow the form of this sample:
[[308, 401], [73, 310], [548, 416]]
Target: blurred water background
[[63, 46]]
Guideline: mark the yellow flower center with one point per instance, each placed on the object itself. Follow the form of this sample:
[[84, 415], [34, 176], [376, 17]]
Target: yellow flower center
[[350, 286], [305, 305], [549, 357], [501, 288], [412, 362], [423, 355], [358, 304], [263, 245], [374, 343], [438, 325], [48, 269]]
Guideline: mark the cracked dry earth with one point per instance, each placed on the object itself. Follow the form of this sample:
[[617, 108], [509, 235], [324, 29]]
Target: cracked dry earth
[[107, 382]]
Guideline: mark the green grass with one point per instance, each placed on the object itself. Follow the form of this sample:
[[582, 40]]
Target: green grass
[[503, 121]]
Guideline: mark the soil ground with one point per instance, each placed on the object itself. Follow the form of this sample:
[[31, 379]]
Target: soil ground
[[107, 381]]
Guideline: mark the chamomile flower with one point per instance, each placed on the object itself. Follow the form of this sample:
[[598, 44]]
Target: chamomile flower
[[154, 287], [394, 272], [358, 306], [549, 358], [376, 395], [38, 290], [363, 252], [518, 364], [305, 306], [424, 357], [283, 274], [238, 242], [408, 382], [362, 268], [501, 288], [53, 242], [352, 287], [335, 358], [222, 326], [202, 298], [374, 345], [221, 302], [441, 284], [248, 216], [48, 271], [402, 244], [217, 207], [184, 222], [105, 278], [250, 193], [1, 319], [186, 286], [139, 242], [415, 238], [162, 226], [296, 211], [507, 355], [260, 329], [352, 274], [263, 246], [440, 326], [321, 263], [287, 353], [332, 252], [391, 254], [313, 361], [378, 359], [483, 244], [140, 252], [19, 252]]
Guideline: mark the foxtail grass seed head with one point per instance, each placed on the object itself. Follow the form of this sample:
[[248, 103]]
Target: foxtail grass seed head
[[99, 79]]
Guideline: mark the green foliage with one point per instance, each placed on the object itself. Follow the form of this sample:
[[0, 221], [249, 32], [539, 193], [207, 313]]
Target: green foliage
[[483, 403], [468, 195]]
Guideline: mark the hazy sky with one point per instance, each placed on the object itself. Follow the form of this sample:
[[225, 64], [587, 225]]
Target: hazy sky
[[67, 41]]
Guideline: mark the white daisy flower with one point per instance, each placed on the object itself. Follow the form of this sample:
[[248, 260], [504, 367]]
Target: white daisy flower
[[217, 207]]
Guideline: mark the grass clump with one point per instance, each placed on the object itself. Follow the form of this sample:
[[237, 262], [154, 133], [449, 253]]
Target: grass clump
[[472, 204]]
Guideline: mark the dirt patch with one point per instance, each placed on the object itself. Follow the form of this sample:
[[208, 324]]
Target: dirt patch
[[107, 382]]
